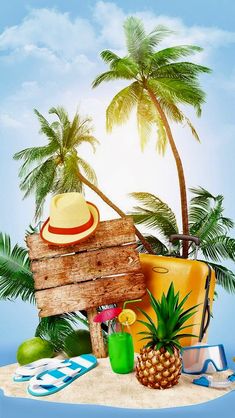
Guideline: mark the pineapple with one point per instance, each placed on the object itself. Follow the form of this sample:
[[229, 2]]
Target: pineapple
[[159, 363]]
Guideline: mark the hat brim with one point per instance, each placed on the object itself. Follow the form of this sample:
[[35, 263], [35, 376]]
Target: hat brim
[[65, 240]]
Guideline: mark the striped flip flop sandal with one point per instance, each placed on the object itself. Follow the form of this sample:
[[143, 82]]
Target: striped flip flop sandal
[[51, 381], [26, 372]]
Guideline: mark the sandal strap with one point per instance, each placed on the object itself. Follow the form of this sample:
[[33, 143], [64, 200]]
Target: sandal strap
[[39, 366], [49, 380]]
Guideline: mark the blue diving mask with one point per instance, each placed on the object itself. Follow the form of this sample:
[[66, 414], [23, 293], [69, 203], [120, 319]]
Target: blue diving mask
[[200, 359]]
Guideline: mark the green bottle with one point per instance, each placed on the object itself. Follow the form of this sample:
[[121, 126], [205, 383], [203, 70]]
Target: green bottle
[[121, 352]]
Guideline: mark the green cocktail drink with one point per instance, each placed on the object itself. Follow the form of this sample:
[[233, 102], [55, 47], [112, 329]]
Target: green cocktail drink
[[121, 352]]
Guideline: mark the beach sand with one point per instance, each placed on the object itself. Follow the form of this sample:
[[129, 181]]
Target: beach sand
[[101, 386]]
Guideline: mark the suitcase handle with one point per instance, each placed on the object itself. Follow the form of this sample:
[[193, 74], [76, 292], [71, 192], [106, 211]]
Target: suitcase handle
[[206, 308], [208, 320], [182, 237]]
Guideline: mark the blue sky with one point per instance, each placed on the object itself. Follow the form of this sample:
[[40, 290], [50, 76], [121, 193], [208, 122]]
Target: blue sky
[[49, 54]]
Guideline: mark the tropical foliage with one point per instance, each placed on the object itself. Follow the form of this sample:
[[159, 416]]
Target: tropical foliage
[[171, 317], [206, 221], [54, 167], [56, 328], [57, 167], [160, 83], [16, 281]]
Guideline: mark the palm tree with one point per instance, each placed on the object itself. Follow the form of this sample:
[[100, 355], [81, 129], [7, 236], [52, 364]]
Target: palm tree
[[159, 84], [206, 221], [57, 167]]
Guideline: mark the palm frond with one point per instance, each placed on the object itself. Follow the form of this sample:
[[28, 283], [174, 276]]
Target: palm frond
[[224, 277], [200, 192], [45, 127], [89, 139], [139, 44], [67, 179], [154, 213], [29, 181], [56, 328], [174, 53], [205, 214], [35, 154], [109, 56], [157, 35], [121, 105], [162, 140], [144, 129], [16, 279], [33, 229], [135, 38], [180, 91], [201, 204], [219, 248], [88, 170], [171, 110], [44, 185], [184, 71], [70, 131], [209, 227], [74, 130], [146, 117], [157, 245], [227, 222], [61, 113], [193, 130], [110, 76], [125, 67]]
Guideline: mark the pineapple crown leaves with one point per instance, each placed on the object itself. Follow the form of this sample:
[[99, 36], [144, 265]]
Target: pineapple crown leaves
[[171, 318]]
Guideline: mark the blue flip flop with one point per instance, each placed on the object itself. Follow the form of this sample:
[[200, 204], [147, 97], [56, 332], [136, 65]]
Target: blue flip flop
[[26, 372], [51, 381]]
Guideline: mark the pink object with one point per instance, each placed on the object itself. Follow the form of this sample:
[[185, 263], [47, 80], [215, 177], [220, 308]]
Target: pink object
[[107, 314]]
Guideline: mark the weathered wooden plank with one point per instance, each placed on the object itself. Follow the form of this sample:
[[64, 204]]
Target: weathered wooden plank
[[108, 234], [79, 296], [97, 341], [81, 267]]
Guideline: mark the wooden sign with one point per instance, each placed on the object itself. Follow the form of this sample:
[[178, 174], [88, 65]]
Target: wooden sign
[[102, 270]]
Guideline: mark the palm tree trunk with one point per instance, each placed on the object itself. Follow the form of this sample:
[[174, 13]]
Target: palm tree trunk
[[179, 165], [116, 209]]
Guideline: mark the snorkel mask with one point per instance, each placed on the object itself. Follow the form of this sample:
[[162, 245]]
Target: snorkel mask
[[200, 359]]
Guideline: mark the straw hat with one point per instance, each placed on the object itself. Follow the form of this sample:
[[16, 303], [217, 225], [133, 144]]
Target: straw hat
[[71, 220]]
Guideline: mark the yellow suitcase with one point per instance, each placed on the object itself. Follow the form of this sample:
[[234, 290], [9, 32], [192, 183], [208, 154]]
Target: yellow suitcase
[[188, 276]]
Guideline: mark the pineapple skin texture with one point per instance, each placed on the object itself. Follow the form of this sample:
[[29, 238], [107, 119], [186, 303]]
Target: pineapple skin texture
[[158, 369]]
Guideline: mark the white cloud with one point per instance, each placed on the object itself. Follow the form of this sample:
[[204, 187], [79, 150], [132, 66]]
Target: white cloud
[[64, 43], [50, 40], [53, 30], [111, 18], [199, 35], [8, 121], [27, 90]]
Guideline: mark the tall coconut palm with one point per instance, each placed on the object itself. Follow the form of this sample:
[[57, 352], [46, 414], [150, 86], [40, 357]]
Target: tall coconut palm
[[57, 167], [159, 84], [206, 221]]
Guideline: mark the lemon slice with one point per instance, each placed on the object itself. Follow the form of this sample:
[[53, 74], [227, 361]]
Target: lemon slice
[[127, 317]]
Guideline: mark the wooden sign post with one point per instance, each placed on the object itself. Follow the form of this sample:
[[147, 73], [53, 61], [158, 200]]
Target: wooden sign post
[[102, 270]]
